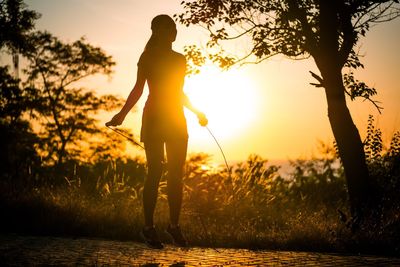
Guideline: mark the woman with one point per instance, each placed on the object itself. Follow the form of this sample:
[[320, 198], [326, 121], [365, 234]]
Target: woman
[[163, 123]]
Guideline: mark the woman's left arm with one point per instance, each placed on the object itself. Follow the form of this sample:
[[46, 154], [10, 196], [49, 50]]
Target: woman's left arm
[[131, 101]]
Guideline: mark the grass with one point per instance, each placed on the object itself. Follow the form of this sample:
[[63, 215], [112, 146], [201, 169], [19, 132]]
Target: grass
[[253, 207]]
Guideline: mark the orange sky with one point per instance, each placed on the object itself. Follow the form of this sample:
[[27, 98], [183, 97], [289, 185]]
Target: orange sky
[[285, 115]]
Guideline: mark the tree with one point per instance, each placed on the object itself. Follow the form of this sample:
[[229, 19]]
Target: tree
[[48, 113], [327, 31], [16, 24], [17, 153], [66, 112], [16, 136]]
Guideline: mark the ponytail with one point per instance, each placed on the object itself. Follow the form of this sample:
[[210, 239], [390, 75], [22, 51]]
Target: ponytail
[[151, 43]]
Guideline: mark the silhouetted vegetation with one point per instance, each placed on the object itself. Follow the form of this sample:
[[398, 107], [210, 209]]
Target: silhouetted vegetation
[[61, 174], [251, 207], [49, 122]]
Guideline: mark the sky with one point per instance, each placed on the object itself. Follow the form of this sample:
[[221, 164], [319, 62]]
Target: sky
[[269, 109]]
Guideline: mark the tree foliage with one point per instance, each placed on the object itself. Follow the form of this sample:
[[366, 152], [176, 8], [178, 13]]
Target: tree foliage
[[66, 112], [47, 118], [293, 28], [17, 138], [13, 100], [16, 24]]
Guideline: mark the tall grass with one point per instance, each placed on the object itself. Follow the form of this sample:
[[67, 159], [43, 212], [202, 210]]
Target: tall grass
[[251, 206]]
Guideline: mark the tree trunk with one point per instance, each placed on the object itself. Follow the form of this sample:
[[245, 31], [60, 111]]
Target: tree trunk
[[349, 145]]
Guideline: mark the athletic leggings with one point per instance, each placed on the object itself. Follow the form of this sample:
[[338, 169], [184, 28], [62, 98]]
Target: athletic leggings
[[176, 156]]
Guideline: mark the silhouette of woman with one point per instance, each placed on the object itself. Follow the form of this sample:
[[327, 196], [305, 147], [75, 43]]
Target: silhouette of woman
[[163, 122]]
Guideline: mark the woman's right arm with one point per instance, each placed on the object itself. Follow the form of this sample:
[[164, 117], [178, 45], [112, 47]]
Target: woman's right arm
[[200, 115], [131, 100]]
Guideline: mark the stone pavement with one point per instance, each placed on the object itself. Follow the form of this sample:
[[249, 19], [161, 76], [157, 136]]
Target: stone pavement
[[18, 250]]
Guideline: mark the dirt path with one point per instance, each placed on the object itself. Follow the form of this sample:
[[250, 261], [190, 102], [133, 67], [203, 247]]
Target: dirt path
[[18, 250]]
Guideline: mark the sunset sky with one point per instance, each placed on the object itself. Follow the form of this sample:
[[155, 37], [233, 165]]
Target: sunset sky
[[268, 109]]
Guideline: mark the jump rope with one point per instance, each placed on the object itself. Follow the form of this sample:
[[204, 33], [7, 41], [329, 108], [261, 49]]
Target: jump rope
[[118, 131]]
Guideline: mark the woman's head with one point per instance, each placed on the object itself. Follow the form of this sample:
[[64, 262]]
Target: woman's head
[[163, 34]]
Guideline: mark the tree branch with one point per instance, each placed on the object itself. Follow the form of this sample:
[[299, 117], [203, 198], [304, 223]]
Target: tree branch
[[318, 78], [374, 102]]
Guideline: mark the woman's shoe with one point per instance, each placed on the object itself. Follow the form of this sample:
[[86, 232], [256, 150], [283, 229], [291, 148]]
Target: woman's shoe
[[176, 234], [150, 237]]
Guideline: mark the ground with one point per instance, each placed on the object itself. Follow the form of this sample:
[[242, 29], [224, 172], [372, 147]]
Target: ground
[[17, 250]]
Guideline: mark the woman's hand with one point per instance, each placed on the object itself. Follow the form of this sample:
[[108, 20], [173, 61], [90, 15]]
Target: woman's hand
[[116, 120], [203, 121]]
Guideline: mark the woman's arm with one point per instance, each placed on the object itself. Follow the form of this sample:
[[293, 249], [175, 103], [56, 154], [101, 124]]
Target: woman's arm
[[189, 105], [200, 115], [131, 100]]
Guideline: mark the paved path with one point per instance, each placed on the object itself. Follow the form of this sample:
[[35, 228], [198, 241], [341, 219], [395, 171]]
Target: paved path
[[28, 250]]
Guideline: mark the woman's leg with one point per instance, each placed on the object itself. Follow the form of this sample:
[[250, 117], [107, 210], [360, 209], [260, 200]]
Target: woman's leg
[[154, 156], [176, 156]]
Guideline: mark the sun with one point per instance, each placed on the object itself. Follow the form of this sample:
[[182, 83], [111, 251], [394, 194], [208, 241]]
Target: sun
[[228, 98]]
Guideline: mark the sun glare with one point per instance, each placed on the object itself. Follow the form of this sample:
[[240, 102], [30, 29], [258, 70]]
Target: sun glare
[[227, 98]]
